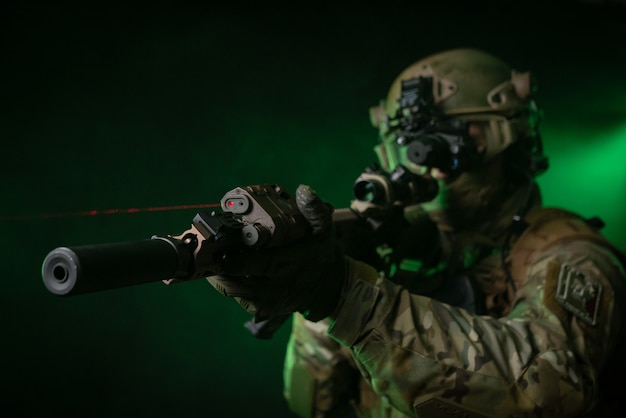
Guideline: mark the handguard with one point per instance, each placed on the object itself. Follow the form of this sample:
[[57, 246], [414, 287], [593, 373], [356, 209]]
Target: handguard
[[253, 216]]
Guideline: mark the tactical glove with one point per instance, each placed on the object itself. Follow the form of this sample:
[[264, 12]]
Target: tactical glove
[[306, 276]]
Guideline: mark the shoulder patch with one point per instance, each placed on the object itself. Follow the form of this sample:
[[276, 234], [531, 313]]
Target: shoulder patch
[[579, 293]]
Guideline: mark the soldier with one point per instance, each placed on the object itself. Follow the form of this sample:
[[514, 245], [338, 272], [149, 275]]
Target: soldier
[[476, 303]]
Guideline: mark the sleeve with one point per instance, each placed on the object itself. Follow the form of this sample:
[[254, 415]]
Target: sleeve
[[319, 378], [541, 360]]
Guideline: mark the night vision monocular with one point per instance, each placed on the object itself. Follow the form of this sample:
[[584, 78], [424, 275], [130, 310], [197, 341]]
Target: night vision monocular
[[427, 137]]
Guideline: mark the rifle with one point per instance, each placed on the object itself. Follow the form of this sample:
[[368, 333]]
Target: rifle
[[263, 215]]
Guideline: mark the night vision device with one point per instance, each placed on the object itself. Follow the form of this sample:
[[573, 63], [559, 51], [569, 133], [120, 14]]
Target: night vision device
[[431, 140]]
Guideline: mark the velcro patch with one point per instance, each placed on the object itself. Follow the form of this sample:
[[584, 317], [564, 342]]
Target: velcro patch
[[579, 293]]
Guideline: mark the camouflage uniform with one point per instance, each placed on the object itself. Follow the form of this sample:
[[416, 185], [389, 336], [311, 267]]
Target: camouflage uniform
[[536, 348], [477, 316]]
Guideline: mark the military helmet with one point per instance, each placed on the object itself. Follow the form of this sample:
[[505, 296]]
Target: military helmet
[[466, 85]]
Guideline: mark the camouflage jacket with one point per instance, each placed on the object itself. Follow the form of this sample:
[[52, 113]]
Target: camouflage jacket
[[550, 327]]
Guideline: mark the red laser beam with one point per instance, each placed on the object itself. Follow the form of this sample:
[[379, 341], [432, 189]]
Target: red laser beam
[[97, 212]]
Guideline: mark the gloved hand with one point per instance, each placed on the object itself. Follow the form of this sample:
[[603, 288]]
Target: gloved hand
[[306, 276]]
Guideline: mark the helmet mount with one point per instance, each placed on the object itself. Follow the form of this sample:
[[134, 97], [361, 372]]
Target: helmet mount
[[431, 139], [432, 103]]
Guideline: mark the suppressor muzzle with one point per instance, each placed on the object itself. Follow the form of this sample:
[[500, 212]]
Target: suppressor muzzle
[[93, 268]]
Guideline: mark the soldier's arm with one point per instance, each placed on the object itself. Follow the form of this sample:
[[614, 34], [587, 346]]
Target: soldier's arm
[[541, 360], [319, 378]]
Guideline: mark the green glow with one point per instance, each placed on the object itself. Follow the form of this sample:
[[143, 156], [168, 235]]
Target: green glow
[[589, 176], [410, 265], [177, 105]]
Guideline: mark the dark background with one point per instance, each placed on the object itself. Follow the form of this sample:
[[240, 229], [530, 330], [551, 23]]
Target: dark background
[[107, 106]]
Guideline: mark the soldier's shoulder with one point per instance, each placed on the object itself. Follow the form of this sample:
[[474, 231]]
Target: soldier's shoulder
[[550, 226]]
